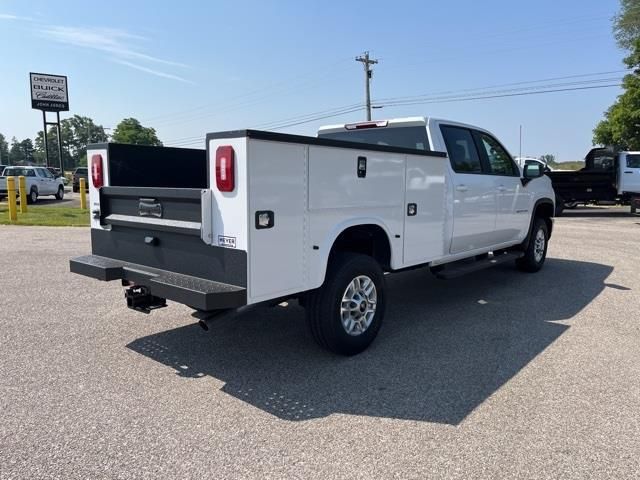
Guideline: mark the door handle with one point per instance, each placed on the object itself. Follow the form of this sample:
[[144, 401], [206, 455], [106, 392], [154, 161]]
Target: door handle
[[628, 172], [462, 188]]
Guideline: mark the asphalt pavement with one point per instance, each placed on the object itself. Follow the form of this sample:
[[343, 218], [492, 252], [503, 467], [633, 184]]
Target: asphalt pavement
[[499, 374], [70, 199]]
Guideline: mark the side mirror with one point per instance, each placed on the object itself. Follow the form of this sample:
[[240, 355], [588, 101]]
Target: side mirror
[[531, 171]]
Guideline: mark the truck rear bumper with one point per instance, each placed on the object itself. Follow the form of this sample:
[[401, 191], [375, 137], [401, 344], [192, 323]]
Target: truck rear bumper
[[195, 292]]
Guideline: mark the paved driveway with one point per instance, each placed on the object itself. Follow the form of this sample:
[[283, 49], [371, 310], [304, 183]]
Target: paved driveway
[[498, 374]]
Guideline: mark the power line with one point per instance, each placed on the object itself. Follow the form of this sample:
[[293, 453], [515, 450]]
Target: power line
[[286, 85], [410, 100], [450, 100], [485, 97], [566, 77]]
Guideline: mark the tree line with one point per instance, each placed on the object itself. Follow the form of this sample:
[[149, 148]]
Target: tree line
[[77, 132], [620, 127]]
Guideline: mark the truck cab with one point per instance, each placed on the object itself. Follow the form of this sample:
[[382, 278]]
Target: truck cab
[[490, 202]]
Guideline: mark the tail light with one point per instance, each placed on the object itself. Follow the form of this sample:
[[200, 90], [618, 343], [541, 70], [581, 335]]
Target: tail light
[[225, 169], [97, 173]]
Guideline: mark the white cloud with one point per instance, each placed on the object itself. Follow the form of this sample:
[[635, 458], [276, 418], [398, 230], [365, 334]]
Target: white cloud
[[152, 71], [116, 42], [121, 46], [8, 16]]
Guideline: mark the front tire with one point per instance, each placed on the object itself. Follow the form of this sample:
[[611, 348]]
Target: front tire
[[346, 312], [60, 194], [536, 252]]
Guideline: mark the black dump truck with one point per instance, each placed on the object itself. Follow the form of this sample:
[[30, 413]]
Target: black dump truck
[[609, 177]]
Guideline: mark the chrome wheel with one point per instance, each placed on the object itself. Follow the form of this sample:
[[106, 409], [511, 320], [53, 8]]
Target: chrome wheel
[[34, 196], [358, 306], [539, 245]]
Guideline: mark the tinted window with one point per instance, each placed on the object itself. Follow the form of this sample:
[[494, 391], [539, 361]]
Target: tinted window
[[81, 170], [462, 150], [633, 161], [16, 172], [604, 161], [405, 137], [500, 162]]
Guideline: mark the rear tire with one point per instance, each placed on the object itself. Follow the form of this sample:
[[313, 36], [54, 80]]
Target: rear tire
[[536, 252], [559, 206], [33, 196], [346, 312], [60, 194]]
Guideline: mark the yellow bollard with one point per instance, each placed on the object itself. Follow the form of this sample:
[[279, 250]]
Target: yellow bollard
[[83, 194], [11, 193], [22, 186]]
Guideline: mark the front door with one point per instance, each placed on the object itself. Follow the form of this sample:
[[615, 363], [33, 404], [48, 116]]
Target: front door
[[513, 199], [44, 185], [629, 173], [474, 193]]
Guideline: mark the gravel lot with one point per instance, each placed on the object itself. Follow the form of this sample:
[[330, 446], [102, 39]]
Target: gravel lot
[[498, 374]]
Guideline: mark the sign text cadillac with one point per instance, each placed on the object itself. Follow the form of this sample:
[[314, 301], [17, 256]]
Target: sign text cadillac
[[49, 92]]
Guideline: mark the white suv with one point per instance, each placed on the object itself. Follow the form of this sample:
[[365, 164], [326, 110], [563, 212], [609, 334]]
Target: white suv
[[40, 181]]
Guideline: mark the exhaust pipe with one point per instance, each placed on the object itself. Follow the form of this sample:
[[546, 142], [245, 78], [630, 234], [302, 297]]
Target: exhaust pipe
[[206, 317]]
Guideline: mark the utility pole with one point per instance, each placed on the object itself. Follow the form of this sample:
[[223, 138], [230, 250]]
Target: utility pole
[[368, 73], [520, 142]]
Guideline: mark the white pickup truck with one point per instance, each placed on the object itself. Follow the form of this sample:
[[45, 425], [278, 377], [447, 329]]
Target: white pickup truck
[[264, 217], [39, 181]]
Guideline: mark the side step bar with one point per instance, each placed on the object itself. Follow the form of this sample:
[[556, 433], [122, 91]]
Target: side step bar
[[457, 269], [198, 293]]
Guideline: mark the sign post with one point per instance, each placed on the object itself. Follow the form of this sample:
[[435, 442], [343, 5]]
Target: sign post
[[49, 93]]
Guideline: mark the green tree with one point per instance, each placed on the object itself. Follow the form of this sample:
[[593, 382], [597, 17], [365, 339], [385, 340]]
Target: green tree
[[549, 159], [77, 133], [4, 150], [626, 25], [621, 125], [130, 130], [21, 153]]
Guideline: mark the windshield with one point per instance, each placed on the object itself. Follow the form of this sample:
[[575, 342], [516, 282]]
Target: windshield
[[17, 171], [405, 137]]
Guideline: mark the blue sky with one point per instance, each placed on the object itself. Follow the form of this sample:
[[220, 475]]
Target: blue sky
[[187, 68]]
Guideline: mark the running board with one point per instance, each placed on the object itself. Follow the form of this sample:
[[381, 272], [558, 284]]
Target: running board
[[457, 269]]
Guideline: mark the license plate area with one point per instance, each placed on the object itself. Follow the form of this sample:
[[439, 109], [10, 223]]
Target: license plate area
[[150, 207]]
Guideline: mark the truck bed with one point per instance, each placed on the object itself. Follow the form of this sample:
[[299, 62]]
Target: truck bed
[[584, 185]]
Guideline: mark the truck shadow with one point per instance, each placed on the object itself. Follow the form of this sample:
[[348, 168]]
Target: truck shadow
[[445, 346]]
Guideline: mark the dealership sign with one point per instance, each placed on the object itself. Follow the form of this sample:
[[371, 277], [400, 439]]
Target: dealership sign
[[49, 92]]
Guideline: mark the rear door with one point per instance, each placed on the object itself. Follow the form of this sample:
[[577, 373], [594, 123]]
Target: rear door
[[629, 172], [474, 192]]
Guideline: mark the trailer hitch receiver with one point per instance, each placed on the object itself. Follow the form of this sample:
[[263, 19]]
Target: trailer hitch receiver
[[140, 299]]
